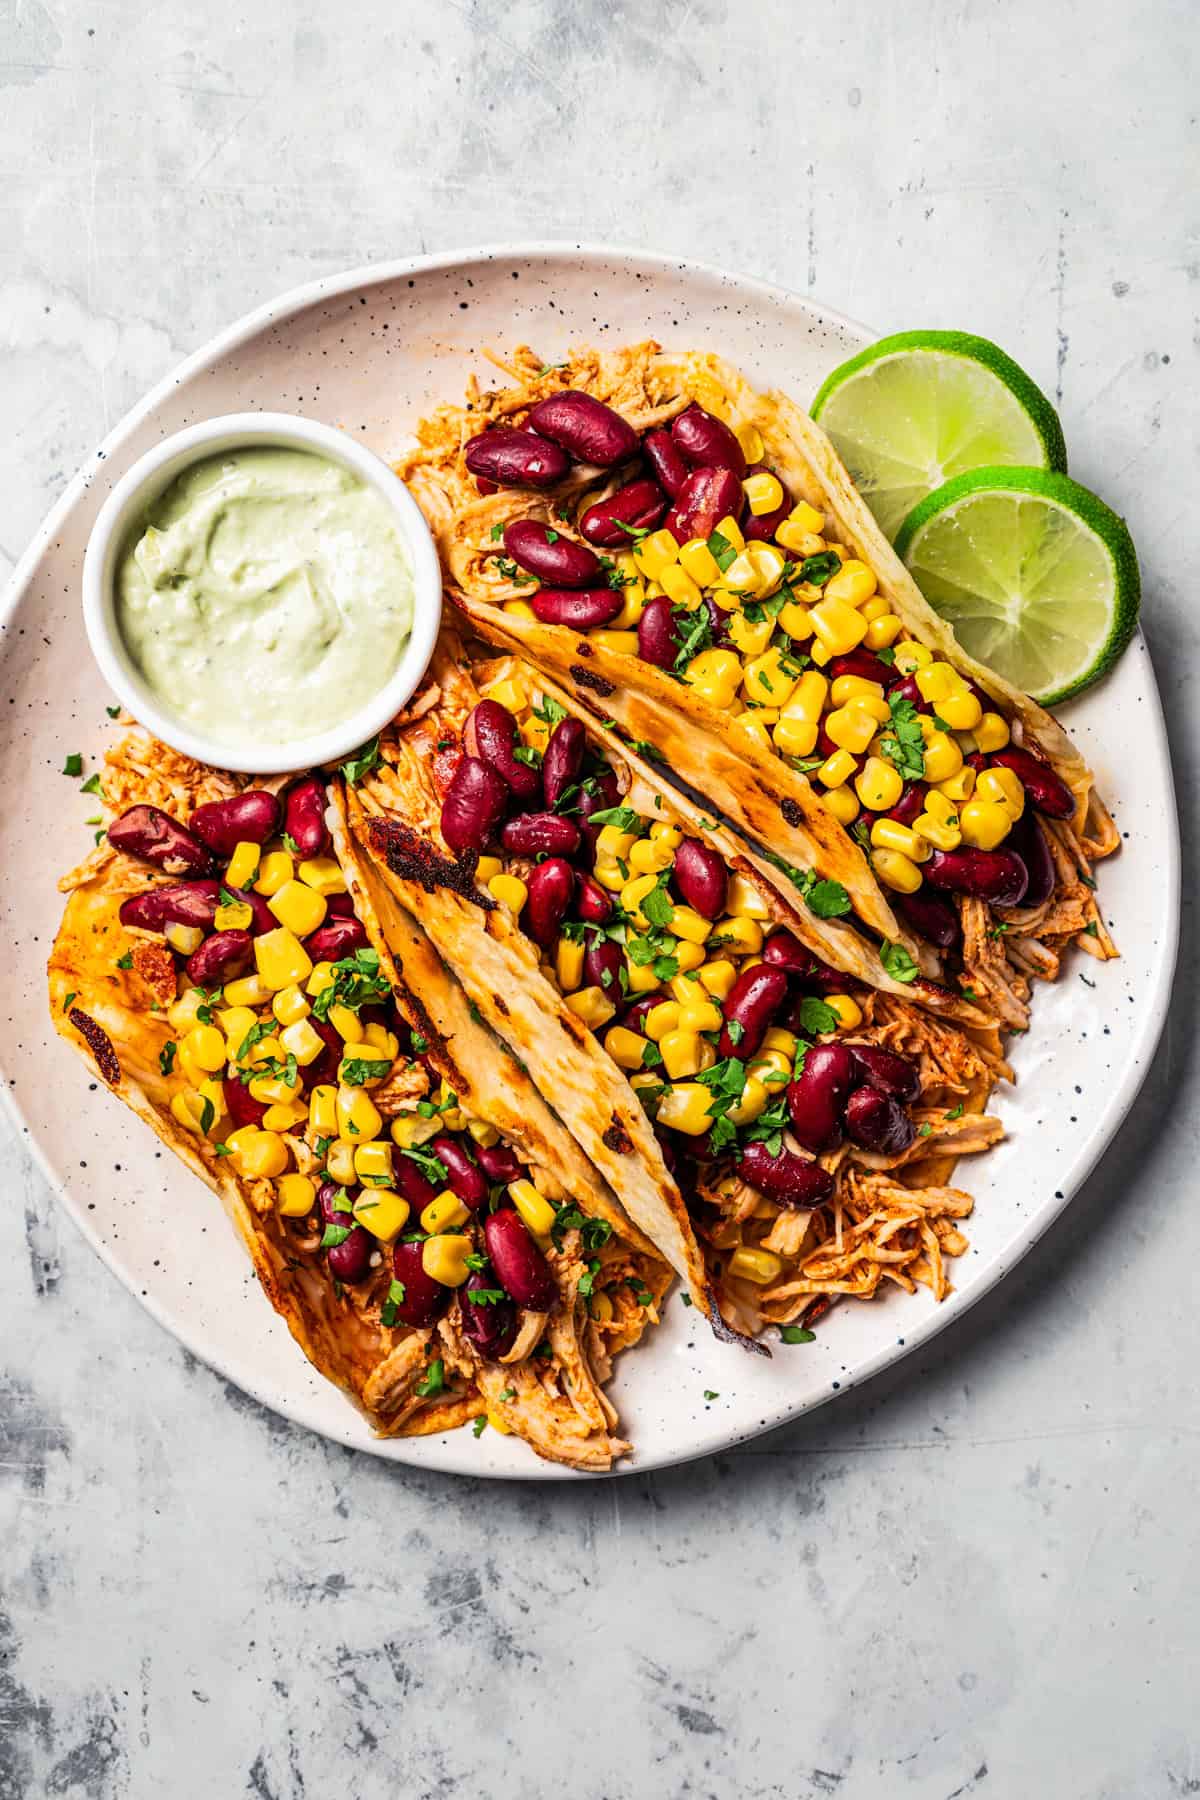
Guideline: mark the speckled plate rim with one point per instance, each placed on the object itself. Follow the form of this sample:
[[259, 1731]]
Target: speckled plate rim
[[449, 1453]]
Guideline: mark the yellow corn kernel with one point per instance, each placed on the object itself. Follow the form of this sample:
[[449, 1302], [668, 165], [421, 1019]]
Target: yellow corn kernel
[[699, 1015], [741, 577], [853, 688], [509, 890], [520, 609], [943, 834], [715, 676], [806, 518], [324, 873], [836, 769], [742, 935], [235, 1140], [508, 693], [206, 1048], [962, 712], [184, 938], [275, 870], [289, 1005], [750, 439], [688, 955], [661, 1019], [766, 680], [874, 608], [679, 587], [649, 855], [383, 1211], [373, 1162], [535, 732], [820, 653], [750, 639], [688, 924], [838, 626], [744, 900], [938, 680], [273, 1090], [698, 563], [943, 758], [848, 1010], [321, 978], [754, 729], [243, 865], [625, 1047], [1003, 786], [754, 1098], [380, 1038], [896, 871], [592, 1005], [731, 531], [938, 807], [878, 785], [852, 584], [656, 553], [281, 959], [533, 1207], [615, 845], [882, 631], [801, 543], [568, 964], [685, 1108], [322, 1109], [365, 1052], [295, 1195], [842, 804], [718, 976], [764, 493], [485, 868], [181, 1014], [911, 656], [357, 1116], [851, 728], [618, 643], [984, 823], [991, 733], [259, 1155], [298, 907], [795, 734], [345, 1022], [339, 1162], [796, 620], [444, 1212], [889, 834], [635, 891], [285, 1115], [758, 1266], [410, 1130], [670, 835], [640, 977], [238, 915], [600, 1308], [769, 563], [809, 695], [235, 1022], [444, 1259], [959, 786], [634, 600], [187, 1108]]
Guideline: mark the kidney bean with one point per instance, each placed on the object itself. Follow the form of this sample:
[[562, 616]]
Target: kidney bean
[[657, 640], [251, 817], [701, 878], [580, 608], [817, 1095], [641, 504], [304, 815], [664, 458], [322, 1071], [499, 1162], [220, 957], [752, 1003], [760, 528], [523, 1270], [910, 803], [787, 1179], [490, 734], [350, 1261], [540, 834], [863, 663], [1045, 790], [929, 916], [718, 620], [1029, 841], [907, 689], [783, 951], [491, 1325], [707, 442], [240, 1103], [998, 876], [592, 903], [563, 759], [584, 426], [184, 903], [425, 1300], [602, 963], [336, 938], [707, 496], [634, 1016], [550, 887], [340, 906], [601, 794], [474, 805], [884, 1070], [550, 556], [412, 1182], [513, 458], [328, 1194], [151, 834], [878, 1122], [464, 1177]]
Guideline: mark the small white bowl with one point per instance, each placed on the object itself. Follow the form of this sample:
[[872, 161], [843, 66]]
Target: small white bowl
[[147, 479]]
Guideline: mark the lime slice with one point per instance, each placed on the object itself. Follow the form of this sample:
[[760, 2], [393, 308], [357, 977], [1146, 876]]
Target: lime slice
[[915, 409], [1038, 577]]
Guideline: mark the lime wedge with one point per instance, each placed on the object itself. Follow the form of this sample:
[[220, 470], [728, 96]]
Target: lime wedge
[[920, 407], [1038, 578]]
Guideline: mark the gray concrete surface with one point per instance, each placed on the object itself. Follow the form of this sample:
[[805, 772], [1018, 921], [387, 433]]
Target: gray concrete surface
[[979, 1576]]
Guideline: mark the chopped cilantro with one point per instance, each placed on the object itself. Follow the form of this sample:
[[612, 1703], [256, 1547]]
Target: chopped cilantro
[[208, 1113], [125, 962], [816, 1017], [114, 712], [434, 1379], [549, 711], [594, 1233], [73, 764], [819, 569], [657, 907], [496, 533], [431, 1166], [508, 568], [721, 550], [898, 963], [366, 759], [335, 1235], [166, 1058], [479, 1425], [623, 817], [712, 1394], [71, 996], [91, 785], [903, 744], [796, 1334], [957, 1112]]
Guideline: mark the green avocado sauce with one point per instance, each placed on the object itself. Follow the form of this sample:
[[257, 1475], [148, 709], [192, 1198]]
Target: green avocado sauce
[[265, 596]]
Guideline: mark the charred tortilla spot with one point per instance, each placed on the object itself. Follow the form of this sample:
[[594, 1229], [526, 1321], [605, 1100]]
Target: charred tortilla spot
[[413, 858], [617, 1139], [586, 679], [500, 1004], [583, 648], [791, 811], [99, 1043], [725, 1334], [413, 1008], [156, 966]]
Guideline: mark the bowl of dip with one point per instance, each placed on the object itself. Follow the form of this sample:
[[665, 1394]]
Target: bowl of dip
[[262, 593]]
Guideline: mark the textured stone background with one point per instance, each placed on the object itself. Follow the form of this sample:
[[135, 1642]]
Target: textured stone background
[[977, 1577]]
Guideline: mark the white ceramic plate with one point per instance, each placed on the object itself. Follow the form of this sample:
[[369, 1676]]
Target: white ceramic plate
[[370, 351]]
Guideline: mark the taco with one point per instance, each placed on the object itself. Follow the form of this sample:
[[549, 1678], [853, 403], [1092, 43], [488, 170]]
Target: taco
[[705, 576], [767, 1103], [431, 1234]]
